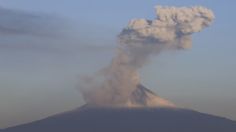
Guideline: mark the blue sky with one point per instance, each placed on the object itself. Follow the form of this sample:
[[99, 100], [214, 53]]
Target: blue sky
[[39, 76]]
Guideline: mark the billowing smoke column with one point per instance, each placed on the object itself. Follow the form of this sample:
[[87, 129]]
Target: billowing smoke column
[[171, 30]]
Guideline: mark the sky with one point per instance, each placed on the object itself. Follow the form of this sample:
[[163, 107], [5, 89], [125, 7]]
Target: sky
[[39, 73]]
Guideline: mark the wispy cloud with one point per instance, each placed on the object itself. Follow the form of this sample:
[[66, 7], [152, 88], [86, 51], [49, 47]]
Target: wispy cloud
[[17, 22]]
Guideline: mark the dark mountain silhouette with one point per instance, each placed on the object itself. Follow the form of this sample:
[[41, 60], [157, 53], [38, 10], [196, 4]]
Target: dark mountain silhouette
[[162, 118], [91, 119]]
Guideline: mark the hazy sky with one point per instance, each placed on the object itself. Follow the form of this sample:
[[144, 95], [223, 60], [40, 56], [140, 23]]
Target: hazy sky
[[38, 74]]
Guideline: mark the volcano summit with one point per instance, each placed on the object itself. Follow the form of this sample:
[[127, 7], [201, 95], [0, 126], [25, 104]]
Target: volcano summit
[[163, 118], [141, 97]]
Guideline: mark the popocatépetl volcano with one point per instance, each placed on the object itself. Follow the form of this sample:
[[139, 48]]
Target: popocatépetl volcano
[[144, 112]]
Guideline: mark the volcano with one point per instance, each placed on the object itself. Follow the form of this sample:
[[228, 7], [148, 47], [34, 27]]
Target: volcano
[[141, 97], [143, 112]]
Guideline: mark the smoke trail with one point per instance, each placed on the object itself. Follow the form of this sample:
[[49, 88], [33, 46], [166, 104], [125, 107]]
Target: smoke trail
[[171, 30], [16, 22]]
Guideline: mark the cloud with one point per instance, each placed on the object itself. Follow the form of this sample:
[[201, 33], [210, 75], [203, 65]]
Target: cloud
[[16, 22]]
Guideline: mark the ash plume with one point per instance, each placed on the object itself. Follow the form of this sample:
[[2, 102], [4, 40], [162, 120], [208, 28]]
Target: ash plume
[[171, 30]]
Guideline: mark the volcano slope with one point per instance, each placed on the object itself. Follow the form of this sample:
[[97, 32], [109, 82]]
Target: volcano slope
[[165, 117]]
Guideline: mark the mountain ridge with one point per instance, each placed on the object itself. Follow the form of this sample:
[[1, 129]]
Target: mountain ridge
[[103, 119], [145, 111]]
